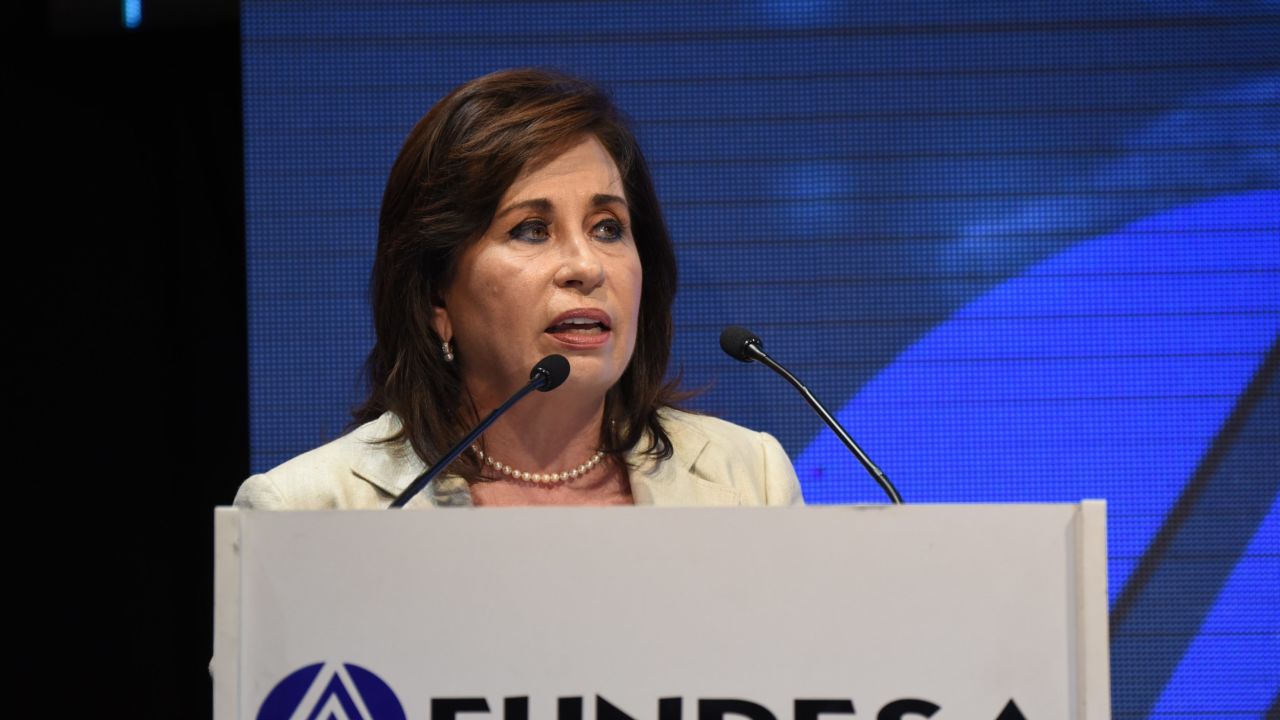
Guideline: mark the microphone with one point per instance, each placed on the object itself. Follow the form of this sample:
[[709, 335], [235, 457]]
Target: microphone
[[549, 374], [742, 344]]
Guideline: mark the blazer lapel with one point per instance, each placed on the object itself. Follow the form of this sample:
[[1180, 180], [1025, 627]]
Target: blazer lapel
[[673, 481], [390, 467]]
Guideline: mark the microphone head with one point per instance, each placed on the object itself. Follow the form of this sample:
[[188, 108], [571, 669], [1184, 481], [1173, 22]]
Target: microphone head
[[554, 369], [734, 341]]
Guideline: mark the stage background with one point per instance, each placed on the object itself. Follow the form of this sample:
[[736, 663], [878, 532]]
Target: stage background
[[1029, 250], [129, 361]]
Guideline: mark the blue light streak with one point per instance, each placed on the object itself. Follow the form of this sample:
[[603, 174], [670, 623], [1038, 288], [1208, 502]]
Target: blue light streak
[[132, 11]]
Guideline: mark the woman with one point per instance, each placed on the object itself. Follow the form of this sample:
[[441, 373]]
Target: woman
[[519, 220]]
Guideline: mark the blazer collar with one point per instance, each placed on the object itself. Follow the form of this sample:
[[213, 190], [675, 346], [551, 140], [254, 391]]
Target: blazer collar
[[392, 466]]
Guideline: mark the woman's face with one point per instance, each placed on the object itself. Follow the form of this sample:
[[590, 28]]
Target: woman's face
[[556, 272]]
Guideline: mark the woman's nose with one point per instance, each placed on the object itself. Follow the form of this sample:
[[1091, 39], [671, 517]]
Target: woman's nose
[[580, 264]]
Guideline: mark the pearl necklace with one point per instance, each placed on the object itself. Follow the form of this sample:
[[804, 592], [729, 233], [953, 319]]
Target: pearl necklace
[[515, 474]]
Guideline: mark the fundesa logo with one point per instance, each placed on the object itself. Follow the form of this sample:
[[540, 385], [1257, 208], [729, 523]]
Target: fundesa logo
[[349, 692]]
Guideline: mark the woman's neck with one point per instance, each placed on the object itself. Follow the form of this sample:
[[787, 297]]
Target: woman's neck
[[549, 435], [546, 432]]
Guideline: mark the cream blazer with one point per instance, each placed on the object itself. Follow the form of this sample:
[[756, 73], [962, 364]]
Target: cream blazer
[[714, 462]]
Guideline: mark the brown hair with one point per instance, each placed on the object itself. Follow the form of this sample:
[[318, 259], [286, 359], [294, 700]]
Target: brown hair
[[441, 195]]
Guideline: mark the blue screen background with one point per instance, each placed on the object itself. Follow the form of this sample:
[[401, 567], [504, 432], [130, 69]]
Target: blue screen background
[[1028, 251]]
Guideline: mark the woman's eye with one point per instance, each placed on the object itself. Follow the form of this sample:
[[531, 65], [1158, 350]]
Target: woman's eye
[[533, 231], [608, 230]]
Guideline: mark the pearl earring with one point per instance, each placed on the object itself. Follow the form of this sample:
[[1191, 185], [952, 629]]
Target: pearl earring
[[446, 351]]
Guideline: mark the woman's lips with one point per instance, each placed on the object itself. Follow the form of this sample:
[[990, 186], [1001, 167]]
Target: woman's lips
[[581, 328], [581, 340]]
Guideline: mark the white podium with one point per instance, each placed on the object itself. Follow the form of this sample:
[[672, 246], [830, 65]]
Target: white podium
[[946, 611]]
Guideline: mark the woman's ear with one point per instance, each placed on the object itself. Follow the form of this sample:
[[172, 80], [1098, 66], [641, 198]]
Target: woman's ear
[[440, 322]]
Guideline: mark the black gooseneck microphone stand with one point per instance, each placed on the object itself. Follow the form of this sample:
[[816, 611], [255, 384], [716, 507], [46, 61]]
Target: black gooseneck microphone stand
[[742, 344], [548, 374]]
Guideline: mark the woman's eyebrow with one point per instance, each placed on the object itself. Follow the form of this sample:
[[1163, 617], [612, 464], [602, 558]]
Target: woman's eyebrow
[[542, 205], [600, 199]]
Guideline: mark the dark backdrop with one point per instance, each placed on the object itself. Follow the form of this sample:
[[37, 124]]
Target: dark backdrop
[[130, 369]]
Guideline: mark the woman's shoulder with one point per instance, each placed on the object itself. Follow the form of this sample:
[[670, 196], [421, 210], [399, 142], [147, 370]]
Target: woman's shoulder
[[679, 422], [722, 452], [693, 432], [357, 470]]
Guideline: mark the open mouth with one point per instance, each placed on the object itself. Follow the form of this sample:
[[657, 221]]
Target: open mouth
[[578, 326]]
